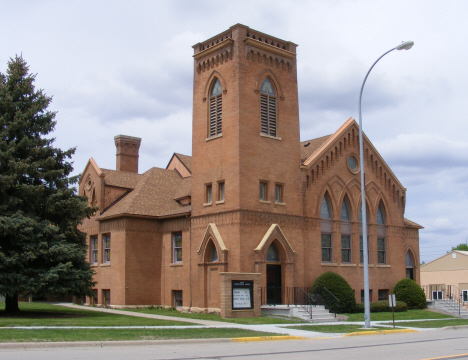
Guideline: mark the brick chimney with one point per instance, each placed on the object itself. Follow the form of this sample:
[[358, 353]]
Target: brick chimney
[[127, 153]]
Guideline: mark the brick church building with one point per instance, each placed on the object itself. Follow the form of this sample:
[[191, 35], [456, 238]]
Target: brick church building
[[252, 202]]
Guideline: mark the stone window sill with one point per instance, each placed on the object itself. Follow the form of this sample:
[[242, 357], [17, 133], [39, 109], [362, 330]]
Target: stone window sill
[[207, 204], [178, 264], [106, 264], [370, 265], [280, 203], [270, 137], [383, 266], [349, 265], [214, 137], [219, 202], [264, 202], [329, 264]]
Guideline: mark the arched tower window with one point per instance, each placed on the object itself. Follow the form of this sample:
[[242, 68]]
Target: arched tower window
[[345, 231], [381, 236], [216, 109], [327, 230], [268, 108]]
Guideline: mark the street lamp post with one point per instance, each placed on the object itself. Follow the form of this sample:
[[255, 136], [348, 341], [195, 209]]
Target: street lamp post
[[403, 46]]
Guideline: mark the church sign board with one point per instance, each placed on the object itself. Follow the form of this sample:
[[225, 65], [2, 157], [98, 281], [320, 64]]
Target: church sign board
[[242, 295]]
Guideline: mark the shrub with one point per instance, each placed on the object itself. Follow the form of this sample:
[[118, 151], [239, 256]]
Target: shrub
[[339, 287], [411, 293], [382, 306]]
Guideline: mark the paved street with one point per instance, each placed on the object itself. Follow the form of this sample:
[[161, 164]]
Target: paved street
[[423, 345]]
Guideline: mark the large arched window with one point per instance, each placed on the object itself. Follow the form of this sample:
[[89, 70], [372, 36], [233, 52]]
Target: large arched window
[[345, 231], [216, 109], [327, 229], [268, 108], [381, 236]]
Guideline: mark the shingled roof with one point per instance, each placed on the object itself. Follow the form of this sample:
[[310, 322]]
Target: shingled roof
[[153, 194], [310, 146]]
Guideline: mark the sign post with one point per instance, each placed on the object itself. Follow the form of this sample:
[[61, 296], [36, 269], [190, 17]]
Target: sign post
[[392, 304]]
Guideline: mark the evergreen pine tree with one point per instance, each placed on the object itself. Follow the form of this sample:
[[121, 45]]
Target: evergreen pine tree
[[41, 250]]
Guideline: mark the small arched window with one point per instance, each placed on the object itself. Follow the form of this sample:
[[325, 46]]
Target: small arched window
[[268, 108], [214, 254], [345, 210], [216, 109], [272, 254], [325, 212], [409, 265], [380, 215]]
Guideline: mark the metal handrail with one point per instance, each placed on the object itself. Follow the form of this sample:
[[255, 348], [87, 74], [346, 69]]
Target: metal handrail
[[310, 302], [336, 302]]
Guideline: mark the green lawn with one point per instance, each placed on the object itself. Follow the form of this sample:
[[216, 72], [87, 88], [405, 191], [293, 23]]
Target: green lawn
[[49, 335], [215, 317], [43, 314], [405, 315], [338, 329], [434, 324]]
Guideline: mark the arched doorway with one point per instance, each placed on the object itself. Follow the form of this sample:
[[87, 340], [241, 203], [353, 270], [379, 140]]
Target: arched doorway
[[273, 267]]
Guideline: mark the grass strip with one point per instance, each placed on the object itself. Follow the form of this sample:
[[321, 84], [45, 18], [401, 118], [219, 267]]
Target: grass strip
[[405, 315], [44, 314], [54, 335], [337, 329], [434, 324], [215, 317]]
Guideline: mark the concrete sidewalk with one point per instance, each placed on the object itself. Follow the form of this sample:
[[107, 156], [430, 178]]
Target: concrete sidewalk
[[143, 315]]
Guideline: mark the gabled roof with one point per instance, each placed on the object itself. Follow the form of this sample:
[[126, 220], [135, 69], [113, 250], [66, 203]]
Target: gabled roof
[[152, 196], [310, 146], [186, 160], [91, 163], [454, 260], [322, 147], [412, 224]]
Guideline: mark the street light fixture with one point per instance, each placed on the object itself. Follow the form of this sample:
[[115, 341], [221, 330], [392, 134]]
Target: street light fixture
[[403, 46]]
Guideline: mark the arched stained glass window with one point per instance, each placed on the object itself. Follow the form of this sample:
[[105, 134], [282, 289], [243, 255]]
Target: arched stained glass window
[[325, 212], [216, 109], [345, 210], [214, 254], [408, 260], [380, 215], [272, 254], [268, 108]]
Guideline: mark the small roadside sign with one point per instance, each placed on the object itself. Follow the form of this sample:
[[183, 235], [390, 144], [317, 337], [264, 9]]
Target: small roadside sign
[[392, 304]]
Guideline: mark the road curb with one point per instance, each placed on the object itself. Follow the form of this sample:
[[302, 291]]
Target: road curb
[[382, 332], [268, 338], [43, 345]]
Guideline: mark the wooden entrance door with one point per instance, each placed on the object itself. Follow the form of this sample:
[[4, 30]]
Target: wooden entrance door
[[273, 284]]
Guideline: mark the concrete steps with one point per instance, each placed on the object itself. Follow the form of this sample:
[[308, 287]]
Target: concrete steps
[[319, 313], [450, 307]]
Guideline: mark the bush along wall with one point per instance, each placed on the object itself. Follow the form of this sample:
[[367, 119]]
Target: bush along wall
[[411, 293], [339, 287]]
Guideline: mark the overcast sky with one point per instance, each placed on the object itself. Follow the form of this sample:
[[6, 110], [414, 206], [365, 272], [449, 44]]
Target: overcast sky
[[126, 67]]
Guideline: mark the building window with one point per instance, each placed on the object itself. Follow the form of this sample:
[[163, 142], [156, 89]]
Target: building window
[[216, 109], [263, 191], [370, 295], [345, 232], [94, 249], [383, 295], [106, 244], [345, 248], [279, 190], [361, 250], [94, 299], [221, 191], [409, 266], [177, 247], [268, 108], [326, 247], [326, 225], [214, 254], [177, 298], [381, 236], [381, 251], [106, 297], [272, 254], [208, 193]]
